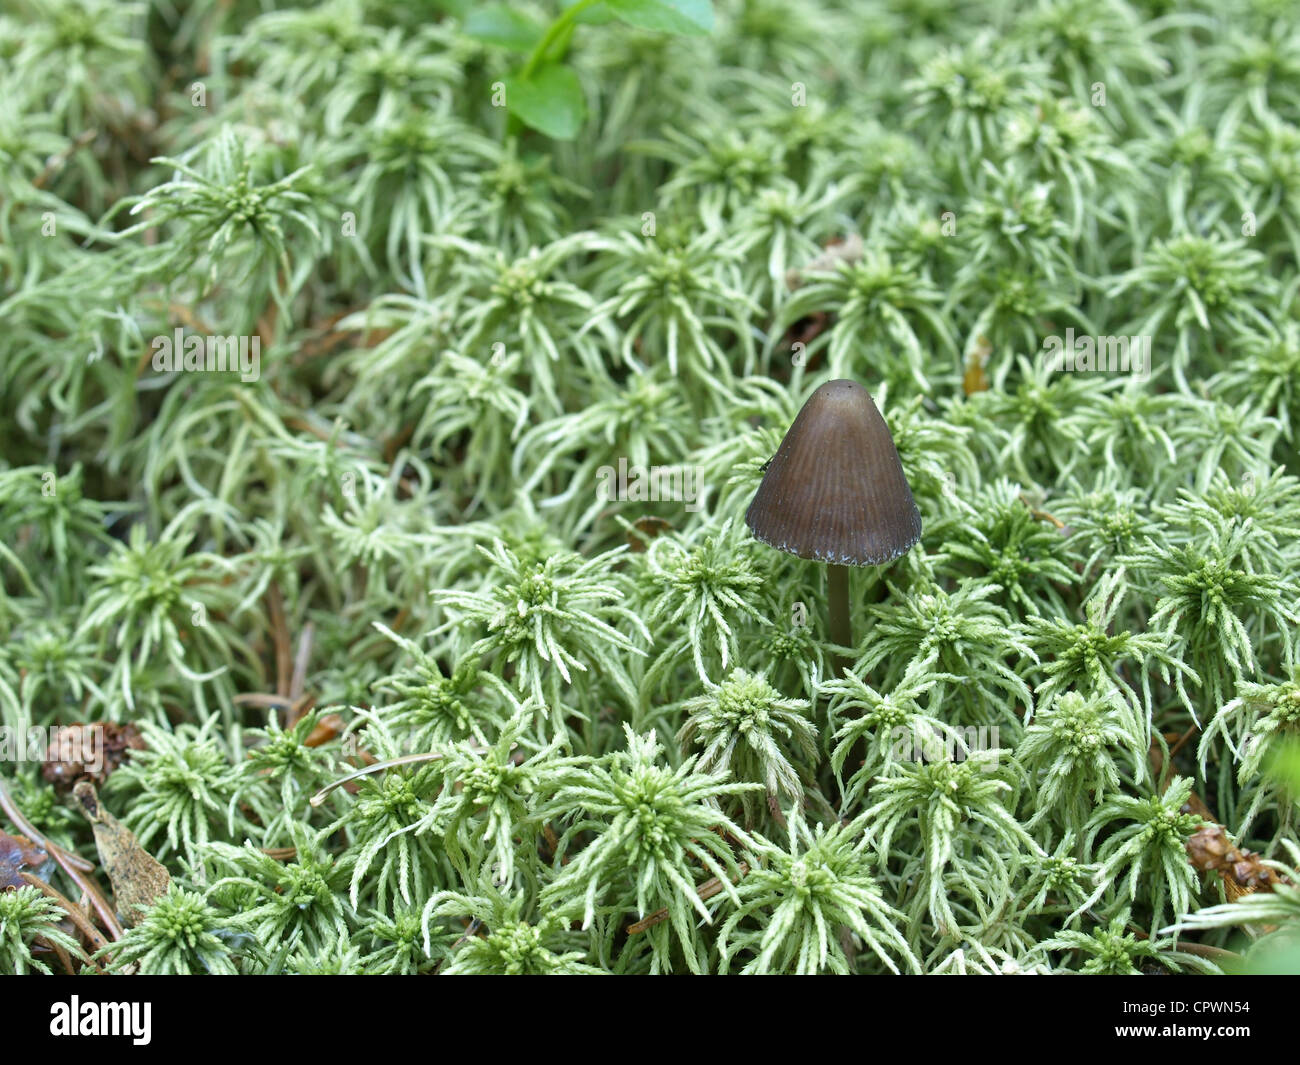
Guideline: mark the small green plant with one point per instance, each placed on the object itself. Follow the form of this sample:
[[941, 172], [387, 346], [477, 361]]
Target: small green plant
[[27, 920], [798, 903], [180, 935], [545, 93]]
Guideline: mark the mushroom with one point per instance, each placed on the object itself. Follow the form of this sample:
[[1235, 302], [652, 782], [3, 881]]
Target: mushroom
[[835, 492]]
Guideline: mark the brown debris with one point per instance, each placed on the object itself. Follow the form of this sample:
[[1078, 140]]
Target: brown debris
[[645, 529], [1208, 848], [65, 760], [975, 379], [77, 868], [1242, 872], [76, 915], [16, 854], [806, 330], [326, 729], [705, 891], [1042, 515], [137, 877]]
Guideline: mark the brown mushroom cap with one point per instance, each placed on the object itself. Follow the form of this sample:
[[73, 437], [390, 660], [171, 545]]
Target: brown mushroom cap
[[835, 489]]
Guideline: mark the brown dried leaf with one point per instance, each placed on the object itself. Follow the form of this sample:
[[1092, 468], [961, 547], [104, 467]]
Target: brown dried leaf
[[18, 853], [975, 379], [648, 528], [326, 729], [137, 877], [805, 331]]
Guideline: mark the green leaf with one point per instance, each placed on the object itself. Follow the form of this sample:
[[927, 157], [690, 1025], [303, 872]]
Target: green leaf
[[1283, 765], [691, 18], [550, 101], [455, 8], [506, 28], [596, 15]]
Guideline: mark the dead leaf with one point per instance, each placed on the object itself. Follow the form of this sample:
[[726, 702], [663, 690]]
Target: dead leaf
[[137, 877], [18, 853], [975, 379], [646, 529], [326, 729]]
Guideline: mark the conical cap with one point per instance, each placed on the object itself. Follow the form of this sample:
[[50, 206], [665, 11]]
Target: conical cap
[[835, 489]]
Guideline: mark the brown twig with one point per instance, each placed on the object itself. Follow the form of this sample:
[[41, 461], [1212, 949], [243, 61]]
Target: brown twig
[[58, 161], [27, 829], [75, 915], [1041, 515], [75, 867], [552, 841], [263, 700], [706, 890], [97, 900], [1181, 741], [1204, 950], [61, 954], [281, 854]]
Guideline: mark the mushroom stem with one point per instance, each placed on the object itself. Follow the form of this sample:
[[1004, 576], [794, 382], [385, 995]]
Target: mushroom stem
[[837, 592]]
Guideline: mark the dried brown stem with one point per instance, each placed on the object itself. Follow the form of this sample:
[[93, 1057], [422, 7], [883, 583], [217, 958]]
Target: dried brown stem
[[706, 890], [75, 914]]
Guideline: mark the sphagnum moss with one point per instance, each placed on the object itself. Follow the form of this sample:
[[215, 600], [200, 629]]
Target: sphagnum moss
[[482, 255]]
